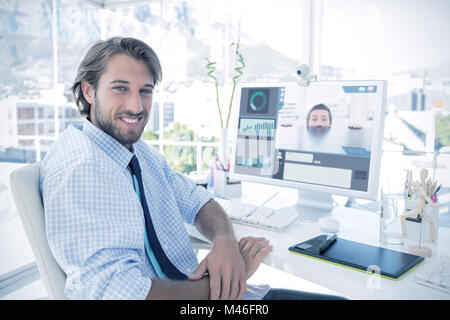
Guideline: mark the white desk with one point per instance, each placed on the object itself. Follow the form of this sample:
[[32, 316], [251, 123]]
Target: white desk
[[356, 225]]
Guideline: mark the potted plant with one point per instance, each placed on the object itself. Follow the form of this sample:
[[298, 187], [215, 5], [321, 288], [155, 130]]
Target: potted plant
[[223, 139]]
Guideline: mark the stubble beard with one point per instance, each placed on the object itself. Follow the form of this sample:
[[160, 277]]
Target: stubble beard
[[106, 124]]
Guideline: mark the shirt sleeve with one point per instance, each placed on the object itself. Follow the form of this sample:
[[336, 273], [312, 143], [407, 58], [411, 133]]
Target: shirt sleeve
[[94, 234], [190, 197]]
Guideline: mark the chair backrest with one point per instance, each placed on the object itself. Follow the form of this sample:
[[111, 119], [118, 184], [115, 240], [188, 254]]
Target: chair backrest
[[25, 189]]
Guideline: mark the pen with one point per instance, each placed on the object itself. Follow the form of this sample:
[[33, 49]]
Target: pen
[[269, 199], [434, 198], [437, 190], [219, 164], [327, 244]]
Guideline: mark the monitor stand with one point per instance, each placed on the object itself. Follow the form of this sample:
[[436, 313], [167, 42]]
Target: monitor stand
[[313, 205]]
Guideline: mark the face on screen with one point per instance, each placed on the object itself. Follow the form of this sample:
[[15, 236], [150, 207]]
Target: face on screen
[[319, 119]]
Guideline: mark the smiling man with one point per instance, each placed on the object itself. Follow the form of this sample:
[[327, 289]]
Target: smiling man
[[122, 113], [115, 211]]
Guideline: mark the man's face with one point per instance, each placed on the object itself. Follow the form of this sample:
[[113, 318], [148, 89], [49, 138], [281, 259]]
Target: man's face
[[319, 119], [121, 104]]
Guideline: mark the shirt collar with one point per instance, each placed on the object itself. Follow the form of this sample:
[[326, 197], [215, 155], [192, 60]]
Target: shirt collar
[[113, 148]]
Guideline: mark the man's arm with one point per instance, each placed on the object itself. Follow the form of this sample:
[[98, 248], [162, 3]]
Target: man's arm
[[224, 264], [213, 221], [253, 250], [106, 267], [179, 290]]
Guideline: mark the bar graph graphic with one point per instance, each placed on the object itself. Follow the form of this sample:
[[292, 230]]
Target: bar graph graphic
[[256, 153], [251, 127], [260, 162]]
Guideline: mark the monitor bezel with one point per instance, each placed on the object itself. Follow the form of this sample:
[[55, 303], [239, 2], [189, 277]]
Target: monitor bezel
[[376, 143]]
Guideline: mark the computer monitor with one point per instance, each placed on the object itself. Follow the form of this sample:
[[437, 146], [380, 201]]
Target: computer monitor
[[323, 138]]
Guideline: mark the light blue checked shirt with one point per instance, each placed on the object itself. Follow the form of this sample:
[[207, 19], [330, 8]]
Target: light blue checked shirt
[[95, 222]]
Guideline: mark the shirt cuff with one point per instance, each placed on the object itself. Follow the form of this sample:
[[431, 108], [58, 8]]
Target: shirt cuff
[[256, 292], [145, 290], [204, 197]]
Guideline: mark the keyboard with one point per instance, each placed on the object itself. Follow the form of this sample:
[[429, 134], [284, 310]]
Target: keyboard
[[436, 274], [259, 217]]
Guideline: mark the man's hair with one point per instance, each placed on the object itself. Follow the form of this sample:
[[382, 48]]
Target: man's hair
[[94, 64], [319, 106]]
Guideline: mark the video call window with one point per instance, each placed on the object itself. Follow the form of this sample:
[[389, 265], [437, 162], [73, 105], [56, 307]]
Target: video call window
[[319, 134]]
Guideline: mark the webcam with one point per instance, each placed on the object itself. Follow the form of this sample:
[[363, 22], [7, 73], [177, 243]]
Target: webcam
[[304, 75]]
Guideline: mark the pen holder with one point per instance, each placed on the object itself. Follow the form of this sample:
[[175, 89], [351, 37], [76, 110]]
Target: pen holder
[[224, 187], [410, 203]]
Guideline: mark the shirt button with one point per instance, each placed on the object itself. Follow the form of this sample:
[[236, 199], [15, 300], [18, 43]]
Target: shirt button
[[165, 247]]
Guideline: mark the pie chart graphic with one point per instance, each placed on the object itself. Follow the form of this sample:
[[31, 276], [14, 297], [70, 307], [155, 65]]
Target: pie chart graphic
[[258, 101]]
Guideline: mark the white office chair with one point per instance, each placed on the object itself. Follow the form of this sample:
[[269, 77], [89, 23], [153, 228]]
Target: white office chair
[[25, 189]]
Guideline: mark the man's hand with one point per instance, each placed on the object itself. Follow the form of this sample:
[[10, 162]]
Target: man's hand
[[254, 250], [227, 266], [226, 269]]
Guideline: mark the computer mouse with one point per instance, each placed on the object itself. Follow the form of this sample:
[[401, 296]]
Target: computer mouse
[[329, 225]]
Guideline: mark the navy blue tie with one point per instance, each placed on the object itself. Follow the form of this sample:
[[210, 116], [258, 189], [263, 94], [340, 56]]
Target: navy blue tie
[[169, 269]]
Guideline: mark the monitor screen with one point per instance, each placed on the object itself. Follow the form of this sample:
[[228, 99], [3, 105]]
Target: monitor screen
[[325, 136]]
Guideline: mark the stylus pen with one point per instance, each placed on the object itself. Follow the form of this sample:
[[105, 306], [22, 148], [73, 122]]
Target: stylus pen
[[251, 212], [327, 244], [437, 190], [269, 199]]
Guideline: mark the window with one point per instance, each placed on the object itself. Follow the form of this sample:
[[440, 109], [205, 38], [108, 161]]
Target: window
[[25, 113], [403, 42], [400, 41]]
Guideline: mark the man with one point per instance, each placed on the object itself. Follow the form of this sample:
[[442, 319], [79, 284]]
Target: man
[[115, 211], [319, 117], [94, 217]]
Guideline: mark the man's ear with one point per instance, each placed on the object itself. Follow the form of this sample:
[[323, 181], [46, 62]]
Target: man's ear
[[88, 92]]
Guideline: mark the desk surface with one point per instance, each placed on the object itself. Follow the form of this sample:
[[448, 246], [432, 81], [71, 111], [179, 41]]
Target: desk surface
[[356, 225]]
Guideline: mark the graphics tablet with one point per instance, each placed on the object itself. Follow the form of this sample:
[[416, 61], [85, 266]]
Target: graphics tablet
[[391, 264]]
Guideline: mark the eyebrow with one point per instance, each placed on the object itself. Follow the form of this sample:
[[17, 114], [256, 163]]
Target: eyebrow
[[127, 82]]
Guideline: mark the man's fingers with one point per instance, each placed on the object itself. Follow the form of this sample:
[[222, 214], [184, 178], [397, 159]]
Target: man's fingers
[[243, 242], [242, 286], [235, 283], [257, 246], [214, 286], [225, 285], [248, 244], [263, 253], [200, 272]]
